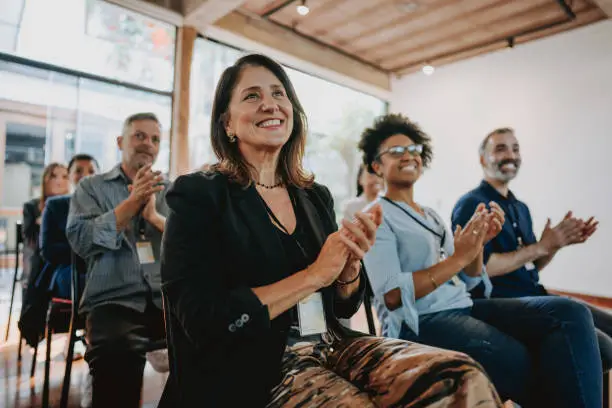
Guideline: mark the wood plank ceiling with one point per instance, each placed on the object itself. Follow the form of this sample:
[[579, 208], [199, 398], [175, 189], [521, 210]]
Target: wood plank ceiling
[[401, 36]]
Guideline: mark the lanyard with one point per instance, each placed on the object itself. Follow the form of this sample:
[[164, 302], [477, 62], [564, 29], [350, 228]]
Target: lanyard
[[442, 236], [281, 226]]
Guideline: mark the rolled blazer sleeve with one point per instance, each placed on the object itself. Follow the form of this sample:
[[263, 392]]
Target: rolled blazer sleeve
[[90, 230], [192, 268]]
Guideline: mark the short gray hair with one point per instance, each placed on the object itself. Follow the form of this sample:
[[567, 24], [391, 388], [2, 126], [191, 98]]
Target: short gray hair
[[138, 116], [498, 131]]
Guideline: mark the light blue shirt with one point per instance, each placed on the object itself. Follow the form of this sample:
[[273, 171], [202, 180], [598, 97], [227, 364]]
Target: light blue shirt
[[402, 247]]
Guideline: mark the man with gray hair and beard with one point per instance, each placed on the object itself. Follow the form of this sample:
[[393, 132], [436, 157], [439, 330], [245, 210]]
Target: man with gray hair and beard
[[115, 224], [515, 257]]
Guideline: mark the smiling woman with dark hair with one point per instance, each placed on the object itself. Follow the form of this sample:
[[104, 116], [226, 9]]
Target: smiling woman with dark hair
[[255, 275]]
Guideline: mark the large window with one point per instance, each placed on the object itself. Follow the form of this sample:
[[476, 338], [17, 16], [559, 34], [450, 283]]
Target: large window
[[337, 115], [47, 117], [90, 36], [67, 84]]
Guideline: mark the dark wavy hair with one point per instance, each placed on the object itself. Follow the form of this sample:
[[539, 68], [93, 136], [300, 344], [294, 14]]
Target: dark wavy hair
[[290, 169], [389, 125], [359, 187]]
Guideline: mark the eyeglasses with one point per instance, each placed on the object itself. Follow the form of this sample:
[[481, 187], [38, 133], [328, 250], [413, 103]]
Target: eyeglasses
[[398, 152]]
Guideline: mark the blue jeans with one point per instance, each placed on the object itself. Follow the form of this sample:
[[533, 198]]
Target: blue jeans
[[538, 351]]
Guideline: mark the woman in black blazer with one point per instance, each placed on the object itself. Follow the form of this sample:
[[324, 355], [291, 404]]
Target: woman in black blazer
[[255, 275]]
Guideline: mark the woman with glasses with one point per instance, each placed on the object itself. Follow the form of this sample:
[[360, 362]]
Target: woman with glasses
[[538, 351]]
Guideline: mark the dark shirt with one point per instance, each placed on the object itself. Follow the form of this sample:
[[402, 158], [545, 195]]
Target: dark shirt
[[517, 230]]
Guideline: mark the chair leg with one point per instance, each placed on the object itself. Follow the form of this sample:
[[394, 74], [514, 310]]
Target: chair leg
[[19, 349], [15, 279], [67, 374], [606, 390], [45, 396], [33, 369]]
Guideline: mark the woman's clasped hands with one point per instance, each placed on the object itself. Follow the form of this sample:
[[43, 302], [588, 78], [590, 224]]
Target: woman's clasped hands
[[342, 252]]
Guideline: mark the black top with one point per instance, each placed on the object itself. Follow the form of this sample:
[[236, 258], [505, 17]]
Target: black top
[[299, 246], [219, 242]]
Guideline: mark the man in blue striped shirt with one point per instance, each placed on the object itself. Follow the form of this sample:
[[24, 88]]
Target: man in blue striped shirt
[[115, 223]]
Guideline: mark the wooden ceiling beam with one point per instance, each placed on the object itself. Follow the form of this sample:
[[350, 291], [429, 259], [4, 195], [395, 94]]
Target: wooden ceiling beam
[[502, 26], [606, 6], [316, 17], [402, 20], [583, 18], [200, 13], [283, 39]]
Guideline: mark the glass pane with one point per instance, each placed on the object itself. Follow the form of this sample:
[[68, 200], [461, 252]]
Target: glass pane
[[8, 37], [10, 12], [100, 38], [37, 109], [48, 117], [209, 61], [335, 127], [102, 110]]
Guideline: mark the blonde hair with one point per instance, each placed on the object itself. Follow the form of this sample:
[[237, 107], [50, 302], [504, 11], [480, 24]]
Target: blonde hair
[[47, 173]]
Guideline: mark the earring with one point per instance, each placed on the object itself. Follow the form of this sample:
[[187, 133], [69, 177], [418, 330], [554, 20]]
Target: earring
[[231, 136]]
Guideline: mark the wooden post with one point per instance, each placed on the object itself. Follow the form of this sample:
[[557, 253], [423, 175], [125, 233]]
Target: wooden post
[[179, 135]]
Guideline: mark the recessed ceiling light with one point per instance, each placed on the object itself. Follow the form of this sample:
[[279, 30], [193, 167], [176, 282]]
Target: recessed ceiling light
[[428, 69], [407, 6], [302, 9]]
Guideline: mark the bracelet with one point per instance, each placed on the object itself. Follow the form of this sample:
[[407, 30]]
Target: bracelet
[[339, 282], [433, 281]]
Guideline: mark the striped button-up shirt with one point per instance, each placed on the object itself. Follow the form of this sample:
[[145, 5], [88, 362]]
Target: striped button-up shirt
[[402, 247], [114, 272]]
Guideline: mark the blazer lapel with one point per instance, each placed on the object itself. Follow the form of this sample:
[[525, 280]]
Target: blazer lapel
[[313, 217], [257, 220]]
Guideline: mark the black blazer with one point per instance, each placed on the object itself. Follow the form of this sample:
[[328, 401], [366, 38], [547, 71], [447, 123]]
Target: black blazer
[[219, 243]]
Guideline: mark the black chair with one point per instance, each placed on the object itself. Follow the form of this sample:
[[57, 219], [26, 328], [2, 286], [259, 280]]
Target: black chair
[[16, 280], [18, 242], [606, 390], [76, 323], [367, 302], [63, 317]]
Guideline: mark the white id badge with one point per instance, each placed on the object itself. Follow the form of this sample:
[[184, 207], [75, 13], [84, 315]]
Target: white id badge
[[530, 266], [311, 315], [145, 252]]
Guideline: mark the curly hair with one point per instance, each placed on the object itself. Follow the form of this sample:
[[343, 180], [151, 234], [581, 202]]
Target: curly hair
[[389, 125]]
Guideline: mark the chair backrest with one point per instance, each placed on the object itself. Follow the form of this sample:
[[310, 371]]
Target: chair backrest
[[18, 235], [367, 302]]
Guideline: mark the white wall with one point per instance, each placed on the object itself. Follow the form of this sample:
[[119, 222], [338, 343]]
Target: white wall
[[557, 94]]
